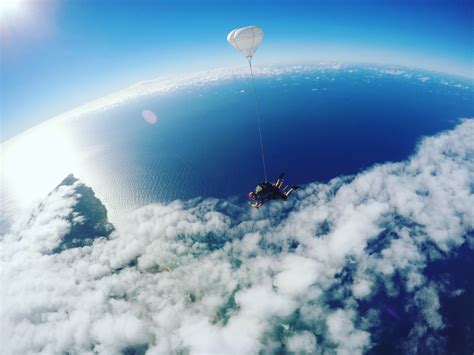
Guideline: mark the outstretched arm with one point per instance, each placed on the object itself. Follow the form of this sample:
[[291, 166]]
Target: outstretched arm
[[256, 204]]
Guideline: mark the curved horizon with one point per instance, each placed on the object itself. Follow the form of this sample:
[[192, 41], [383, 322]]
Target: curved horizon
[[61, 54], [171, 83]]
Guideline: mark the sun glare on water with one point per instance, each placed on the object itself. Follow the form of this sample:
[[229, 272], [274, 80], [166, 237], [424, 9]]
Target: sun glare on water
[[37, 160]]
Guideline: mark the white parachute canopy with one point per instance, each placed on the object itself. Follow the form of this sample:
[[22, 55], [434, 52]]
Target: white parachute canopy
[[246, 39]]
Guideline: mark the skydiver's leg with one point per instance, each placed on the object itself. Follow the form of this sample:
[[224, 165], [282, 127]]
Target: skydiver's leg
[[293, 188], [280, 180]]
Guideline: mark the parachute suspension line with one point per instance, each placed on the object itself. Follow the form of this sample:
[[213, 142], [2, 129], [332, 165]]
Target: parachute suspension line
[[257, 108]]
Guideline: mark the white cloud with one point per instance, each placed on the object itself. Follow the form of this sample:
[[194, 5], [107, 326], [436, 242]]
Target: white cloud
[[208, 276], [345, 335], [297, 275], [302, 343]]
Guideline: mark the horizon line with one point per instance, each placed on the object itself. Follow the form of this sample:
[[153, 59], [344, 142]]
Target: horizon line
[[175, 82]]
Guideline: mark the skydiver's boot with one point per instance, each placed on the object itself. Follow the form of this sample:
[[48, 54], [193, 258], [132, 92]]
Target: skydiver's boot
[[293, 188]]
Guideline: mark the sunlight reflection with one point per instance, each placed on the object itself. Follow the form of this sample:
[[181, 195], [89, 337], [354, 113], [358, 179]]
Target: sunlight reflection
[[34, 162]]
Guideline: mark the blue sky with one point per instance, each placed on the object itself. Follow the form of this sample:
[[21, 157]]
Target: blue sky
[[58, 54]]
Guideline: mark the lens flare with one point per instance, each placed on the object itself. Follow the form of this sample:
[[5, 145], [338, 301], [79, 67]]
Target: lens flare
[[149, 116]]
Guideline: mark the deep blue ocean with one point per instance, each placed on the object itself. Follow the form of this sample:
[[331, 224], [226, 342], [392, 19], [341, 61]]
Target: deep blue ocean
[[317, 124]]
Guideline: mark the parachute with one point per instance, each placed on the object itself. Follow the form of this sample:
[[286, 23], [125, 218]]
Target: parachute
[[247, 39]]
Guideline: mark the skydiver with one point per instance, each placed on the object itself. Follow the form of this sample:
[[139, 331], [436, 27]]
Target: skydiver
[[266, 191]]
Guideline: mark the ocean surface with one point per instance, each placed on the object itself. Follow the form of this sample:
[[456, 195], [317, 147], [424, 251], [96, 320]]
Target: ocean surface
[[317, 124]]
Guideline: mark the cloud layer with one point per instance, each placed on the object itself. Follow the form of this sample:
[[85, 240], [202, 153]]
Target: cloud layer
[[321, 273]]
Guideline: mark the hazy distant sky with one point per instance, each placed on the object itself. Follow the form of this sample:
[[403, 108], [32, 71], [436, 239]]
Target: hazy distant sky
[[57, 54]]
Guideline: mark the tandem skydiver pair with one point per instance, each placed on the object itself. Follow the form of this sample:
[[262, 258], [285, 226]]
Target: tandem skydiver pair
[[266, 191]]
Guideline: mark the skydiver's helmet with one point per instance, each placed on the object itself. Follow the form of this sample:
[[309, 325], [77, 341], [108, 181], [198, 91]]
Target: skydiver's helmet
[[252, 195]]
